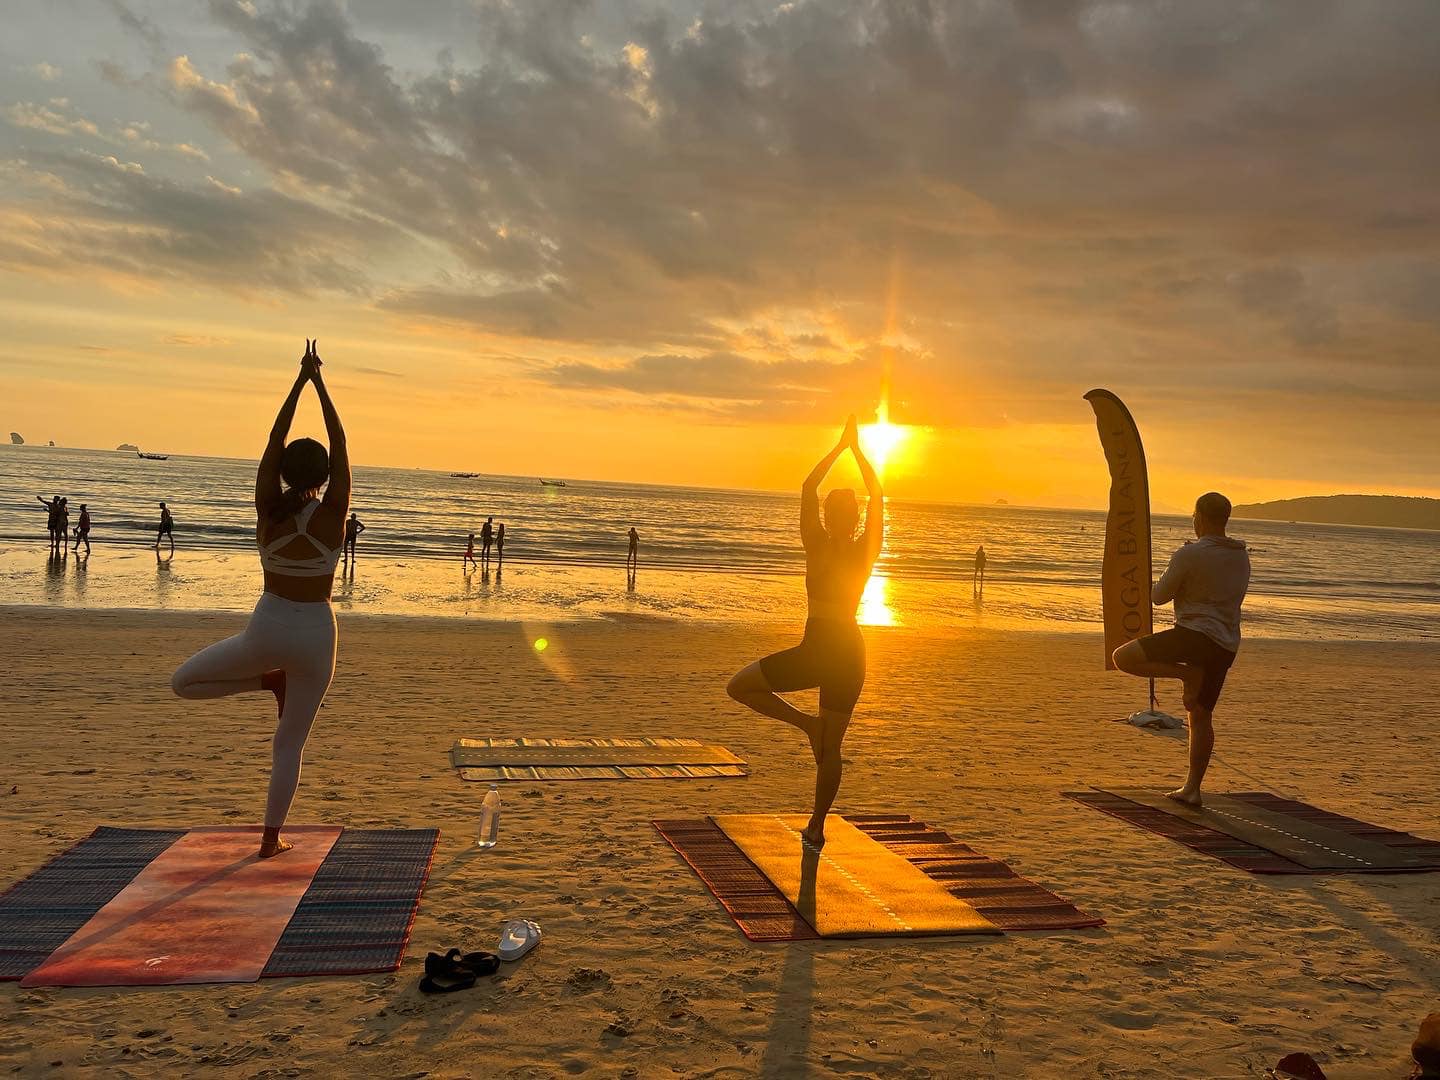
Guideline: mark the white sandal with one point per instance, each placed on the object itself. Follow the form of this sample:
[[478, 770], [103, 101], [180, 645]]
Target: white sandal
[[517, 937]]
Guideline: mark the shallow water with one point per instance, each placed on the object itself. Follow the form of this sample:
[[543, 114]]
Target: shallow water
[[710, 555]]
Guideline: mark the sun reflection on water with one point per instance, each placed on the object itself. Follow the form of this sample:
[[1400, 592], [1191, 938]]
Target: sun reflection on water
[[875, 609]]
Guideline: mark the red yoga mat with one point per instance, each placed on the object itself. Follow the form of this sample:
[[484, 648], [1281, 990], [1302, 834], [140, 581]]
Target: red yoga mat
[[207, 909]]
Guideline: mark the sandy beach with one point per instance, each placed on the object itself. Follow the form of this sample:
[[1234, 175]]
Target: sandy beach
[[1202, 970]]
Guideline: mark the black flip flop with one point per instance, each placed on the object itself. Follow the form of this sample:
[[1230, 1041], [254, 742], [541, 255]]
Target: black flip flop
[[447, 984], [481, 963], [446, 974]]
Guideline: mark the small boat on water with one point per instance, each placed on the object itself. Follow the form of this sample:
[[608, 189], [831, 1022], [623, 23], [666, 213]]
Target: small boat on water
[[152, 457], [465, 475], [552, 483]]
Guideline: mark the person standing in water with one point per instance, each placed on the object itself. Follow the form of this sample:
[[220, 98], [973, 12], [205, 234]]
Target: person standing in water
[[469, 556], [52, 518], [166, 529], [831, 656], [288, 648], [1207, 580], [82, 530], [977, 584], [632, 558], [500, 544], [487, 537], [353, 528]]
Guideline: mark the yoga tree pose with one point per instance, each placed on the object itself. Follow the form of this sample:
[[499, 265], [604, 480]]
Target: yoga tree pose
[[288, 648], [831, 656]]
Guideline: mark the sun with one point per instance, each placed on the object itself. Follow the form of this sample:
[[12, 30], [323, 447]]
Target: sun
[[881, 440]]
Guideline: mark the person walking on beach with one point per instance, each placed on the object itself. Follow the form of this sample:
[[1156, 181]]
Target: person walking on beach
[[82, 530], [977, 583], [353, 528], [1206, 579], [632, 558], [487, 537], [166, 529], [831, 655], [52, 518], [288, 648], [469, 557]]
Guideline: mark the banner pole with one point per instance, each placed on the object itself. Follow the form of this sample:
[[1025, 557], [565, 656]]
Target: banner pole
[[1152, 695]]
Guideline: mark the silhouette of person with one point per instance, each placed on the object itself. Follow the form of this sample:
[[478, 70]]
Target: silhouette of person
[[302, 501], [82, 530], [166, 529], [977, 583], [469, 556], [1207, 579], [487, 537], [353, 528], [500, 543], [831, 656], [52, 518], [632, 558]]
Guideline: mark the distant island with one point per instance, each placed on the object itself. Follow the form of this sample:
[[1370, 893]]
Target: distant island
[[128, 446], [1385, 511], [15, 439]]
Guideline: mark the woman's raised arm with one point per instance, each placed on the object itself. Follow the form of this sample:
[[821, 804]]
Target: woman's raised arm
[[337, 494], [810, 528], [875, 504], [267, 477]]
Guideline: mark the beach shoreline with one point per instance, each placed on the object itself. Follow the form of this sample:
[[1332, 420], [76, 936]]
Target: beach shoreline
[[1201, 969]]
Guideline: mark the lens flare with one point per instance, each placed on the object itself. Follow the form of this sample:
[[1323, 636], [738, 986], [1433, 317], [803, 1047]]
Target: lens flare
[[541, 644], [882, 439]]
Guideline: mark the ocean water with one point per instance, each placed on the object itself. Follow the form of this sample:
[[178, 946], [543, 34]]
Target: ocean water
[[728, 556]]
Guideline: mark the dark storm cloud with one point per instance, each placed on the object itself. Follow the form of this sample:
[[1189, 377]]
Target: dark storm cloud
[[1035, 192]]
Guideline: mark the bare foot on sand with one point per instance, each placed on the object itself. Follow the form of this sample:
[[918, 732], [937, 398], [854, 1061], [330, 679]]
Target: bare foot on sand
[[1183, 795]]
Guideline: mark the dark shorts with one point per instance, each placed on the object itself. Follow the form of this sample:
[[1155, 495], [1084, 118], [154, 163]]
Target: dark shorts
[[831, 656], [166, 530], [1181, 645]]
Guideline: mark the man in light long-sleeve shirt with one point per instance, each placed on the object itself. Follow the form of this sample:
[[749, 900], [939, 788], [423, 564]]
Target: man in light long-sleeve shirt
[[1206, 579]]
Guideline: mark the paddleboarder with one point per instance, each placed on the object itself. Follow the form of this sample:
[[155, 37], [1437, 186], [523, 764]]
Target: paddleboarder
[[1206, 579], [831, 656]]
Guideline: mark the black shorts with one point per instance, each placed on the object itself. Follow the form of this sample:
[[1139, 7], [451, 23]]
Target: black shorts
[[831, 656], [1181, 645]]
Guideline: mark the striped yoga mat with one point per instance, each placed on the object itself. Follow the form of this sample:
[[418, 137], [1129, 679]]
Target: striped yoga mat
[[1245, 829], [354, 917], [762, 912], [492, 760]]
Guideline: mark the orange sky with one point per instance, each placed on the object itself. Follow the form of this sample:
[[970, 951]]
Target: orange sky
[[675, 250]]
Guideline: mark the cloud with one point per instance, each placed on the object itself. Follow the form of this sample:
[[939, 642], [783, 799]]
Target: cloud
[[199, 341], [55, 118], [1021, 197], [47, 72], [103, 213]]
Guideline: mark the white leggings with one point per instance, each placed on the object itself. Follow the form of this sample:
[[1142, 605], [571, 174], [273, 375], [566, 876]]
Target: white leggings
[[296, 638]]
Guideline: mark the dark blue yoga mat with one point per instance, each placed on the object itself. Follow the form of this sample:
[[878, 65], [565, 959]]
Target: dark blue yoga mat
[[355, 917]]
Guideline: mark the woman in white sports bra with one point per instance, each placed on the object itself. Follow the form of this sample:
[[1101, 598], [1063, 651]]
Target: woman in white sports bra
[[288, 648]]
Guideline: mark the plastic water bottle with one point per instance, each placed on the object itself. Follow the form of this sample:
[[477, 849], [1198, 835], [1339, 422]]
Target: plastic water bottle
[[489, 833]]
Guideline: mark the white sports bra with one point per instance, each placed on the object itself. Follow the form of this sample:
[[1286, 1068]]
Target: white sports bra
[[321, 564]]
